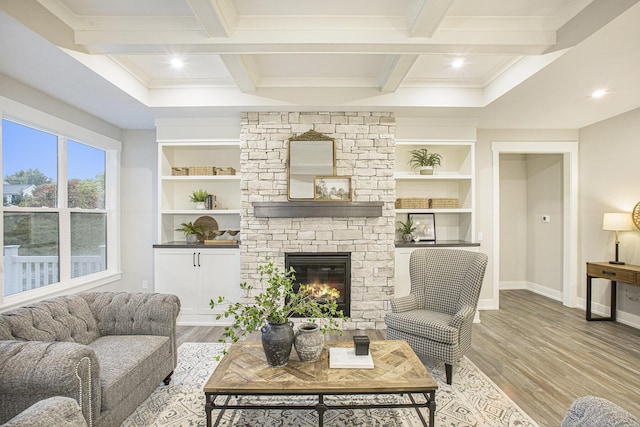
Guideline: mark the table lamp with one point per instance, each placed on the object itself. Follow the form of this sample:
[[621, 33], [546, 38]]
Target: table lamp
[[617, 222]]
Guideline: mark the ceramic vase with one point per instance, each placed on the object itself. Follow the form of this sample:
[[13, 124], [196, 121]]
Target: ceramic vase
[[426, 170], [277, 340], [308, 342]]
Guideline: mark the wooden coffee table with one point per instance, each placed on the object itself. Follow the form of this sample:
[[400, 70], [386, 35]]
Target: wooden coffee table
[[244, 372]]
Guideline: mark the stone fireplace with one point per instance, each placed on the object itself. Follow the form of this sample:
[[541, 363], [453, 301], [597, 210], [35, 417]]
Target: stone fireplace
[[365, 151]]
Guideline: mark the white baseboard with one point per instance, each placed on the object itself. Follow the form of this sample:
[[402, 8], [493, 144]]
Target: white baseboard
[[513, 284], [533, 287], [604, 310]]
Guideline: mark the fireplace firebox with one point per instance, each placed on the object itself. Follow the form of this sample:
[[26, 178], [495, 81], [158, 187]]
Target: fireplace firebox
[[323, 270]]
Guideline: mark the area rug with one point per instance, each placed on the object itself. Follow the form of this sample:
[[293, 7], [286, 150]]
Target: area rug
[[472, 400]]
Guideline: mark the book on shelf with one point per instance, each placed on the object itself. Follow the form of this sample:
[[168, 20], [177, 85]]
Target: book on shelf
[[345, 358]]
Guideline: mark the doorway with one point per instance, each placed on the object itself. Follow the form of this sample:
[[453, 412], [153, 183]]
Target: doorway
[[552, 219]]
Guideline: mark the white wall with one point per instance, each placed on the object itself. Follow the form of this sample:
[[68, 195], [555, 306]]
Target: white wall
[[610, 182], [138, 200]]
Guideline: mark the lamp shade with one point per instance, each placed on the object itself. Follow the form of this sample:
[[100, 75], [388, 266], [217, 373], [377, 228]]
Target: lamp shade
[[617, 222]]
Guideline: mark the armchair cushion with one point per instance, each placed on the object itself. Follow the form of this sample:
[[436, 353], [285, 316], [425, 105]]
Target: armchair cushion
[[426, 324]]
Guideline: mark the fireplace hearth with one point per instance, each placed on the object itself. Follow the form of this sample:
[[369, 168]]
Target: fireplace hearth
[[323, 271]]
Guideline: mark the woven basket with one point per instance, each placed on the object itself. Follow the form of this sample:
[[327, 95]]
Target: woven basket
[[224, 171], [179, 171], [412, 203], [444, 203], [201, 170]]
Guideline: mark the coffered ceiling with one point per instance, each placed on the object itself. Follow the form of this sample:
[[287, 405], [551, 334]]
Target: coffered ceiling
[[113, 58]]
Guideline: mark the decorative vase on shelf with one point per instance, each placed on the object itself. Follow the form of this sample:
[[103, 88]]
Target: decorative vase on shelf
[[309, 342], [407, 237], [277, 340], [426, 170], [200, 205], [192, 238]]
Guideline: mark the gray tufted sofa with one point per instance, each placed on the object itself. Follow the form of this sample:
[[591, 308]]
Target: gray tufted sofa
[[106, 350]]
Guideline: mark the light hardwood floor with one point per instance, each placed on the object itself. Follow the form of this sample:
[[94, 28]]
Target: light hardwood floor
[[541, 354]]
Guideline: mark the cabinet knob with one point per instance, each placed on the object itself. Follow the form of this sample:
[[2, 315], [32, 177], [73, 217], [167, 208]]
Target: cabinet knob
[[608, 273]]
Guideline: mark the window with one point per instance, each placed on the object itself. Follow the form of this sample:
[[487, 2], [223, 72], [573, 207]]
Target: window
[[56, 234]]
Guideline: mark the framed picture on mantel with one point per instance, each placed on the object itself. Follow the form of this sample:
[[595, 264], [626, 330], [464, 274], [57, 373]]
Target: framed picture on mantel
[[425, 226], [332, 188]]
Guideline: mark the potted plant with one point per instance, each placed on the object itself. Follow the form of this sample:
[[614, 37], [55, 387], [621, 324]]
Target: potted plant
[[199, 197], [191, 231], [406, 228], [424, 161], [270, 311]]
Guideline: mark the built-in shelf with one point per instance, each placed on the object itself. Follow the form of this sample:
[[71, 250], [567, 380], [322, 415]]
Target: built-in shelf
[[316, 209]]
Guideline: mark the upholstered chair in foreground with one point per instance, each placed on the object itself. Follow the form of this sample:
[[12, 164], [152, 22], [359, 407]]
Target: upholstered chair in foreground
[[436, 318], [592, 411]]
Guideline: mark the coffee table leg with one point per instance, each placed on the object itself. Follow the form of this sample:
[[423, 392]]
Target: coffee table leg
[[321, 409], [208, 406], [432, 408]]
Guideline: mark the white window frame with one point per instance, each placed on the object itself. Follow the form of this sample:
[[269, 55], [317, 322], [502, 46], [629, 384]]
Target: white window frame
[[27, 116]]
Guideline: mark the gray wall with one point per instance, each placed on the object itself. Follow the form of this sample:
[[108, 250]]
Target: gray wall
[[610, 182]]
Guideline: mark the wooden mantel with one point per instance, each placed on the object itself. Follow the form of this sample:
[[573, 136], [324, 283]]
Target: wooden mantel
[[310, 209]]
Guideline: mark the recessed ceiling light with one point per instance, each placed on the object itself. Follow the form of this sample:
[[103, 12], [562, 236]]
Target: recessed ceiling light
[[177, 63], [457, 63], [598, 93]]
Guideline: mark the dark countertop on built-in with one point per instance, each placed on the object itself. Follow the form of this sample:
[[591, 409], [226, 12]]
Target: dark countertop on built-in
[[398, 243], [199, 245], [437, 244]]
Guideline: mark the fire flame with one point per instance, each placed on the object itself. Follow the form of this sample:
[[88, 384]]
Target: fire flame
[[320, 290]]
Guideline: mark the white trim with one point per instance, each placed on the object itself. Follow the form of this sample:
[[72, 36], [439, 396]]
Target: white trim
[[569, 149]]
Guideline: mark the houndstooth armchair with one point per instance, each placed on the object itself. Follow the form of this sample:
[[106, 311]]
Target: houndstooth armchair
[[437, 316]]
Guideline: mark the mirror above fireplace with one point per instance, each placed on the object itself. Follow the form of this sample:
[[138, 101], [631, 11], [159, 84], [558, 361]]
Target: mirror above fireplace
[[311, 154]]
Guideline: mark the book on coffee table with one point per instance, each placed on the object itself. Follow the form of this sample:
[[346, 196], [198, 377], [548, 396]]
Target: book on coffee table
[[345, 358]]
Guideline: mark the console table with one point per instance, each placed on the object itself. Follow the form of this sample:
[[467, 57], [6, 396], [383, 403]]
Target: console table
[[629, 274]]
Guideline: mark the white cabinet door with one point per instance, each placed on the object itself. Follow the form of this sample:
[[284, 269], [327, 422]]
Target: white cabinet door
[[197, 276], [220, 276]]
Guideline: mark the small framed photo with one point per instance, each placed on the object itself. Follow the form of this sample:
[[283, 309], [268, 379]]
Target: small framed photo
[[425, 226], [332, 188]]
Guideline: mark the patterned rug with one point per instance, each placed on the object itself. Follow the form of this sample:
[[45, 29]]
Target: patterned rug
[[472, 400]]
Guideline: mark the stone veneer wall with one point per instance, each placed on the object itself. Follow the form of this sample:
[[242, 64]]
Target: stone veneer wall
[[365, 150]]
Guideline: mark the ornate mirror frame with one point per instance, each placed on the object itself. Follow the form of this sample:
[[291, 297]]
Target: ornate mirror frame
[[309, 155]]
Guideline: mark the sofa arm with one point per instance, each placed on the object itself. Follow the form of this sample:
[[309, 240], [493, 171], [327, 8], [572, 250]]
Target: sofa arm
[[55, 411], [405, 303], [34, 370], [465, 313]]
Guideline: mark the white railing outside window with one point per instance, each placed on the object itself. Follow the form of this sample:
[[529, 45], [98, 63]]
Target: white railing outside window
[[23, 273]]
